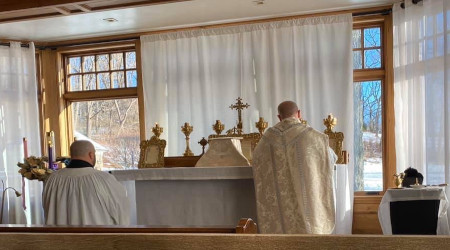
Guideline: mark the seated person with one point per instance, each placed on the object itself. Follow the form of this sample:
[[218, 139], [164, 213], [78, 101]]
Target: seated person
[[81, 195]]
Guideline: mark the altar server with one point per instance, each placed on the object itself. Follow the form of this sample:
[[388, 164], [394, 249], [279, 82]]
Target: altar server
[[292, 169], [81, 195]]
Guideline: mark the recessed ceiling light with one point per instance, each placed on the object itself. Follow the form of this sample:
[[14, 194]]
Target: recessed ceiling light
[[110, 20], [258, 2]]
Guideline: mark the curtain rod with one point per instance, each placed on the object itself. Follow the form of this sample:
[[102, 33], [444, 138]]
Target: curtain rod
[[88, 43], [23, 45], [375, 12]]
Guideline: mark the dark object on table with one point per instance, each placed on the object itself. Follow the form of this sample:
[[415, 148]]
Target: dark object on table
[[410, 177]]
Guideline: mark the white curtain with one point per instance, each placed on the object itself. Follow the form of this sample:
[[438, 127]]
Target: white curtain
[[19, 118], [421, 88], [194, 76]]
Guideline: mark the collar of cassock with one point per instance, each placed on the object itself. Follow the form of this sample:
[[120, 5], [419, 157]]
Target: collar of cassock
[[79, 164]]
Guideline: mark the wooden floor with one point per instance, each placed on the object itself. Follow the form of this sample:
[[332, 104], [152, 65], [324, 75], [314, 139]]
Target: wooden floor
[[36, 241]]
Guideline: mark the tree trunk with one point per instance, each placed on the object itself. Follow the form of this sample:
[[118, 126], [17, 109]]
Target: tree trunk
[[358, 134]]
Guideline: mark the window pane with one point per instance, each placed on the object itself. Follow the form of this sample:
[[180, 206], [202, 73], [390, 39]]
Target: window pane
[[89, 82], [368, 136], [118, 80], [356, 41], [429, 48], [104, 82], [372, 59], [372, 37], [435, 111], [440, 45], [131, 78], [116, 61], [131, 60], [88, 63], [440, 22], [113, 127], [75, 83], [357, 60], [74, 65], [102, 62], [102, 71]]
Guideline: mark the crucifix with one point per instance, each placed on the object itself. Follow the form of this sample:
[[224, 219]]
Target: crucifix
[[239, 106]]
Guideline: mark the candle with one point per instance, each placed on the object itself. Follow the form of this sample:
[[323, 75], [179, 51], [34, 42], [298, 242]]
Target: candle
[[50, 154], [25, 155], [25, 147], [52, 138]]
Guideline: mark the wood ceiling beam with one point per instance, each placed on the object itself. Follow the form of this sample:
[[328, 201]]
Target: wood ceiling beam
[[62, 10], [83, 7], [22, 9], [16, 5]]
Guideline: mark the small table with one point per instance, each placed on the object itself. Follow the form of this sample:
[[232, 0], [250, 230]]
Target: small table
[[423, 200]]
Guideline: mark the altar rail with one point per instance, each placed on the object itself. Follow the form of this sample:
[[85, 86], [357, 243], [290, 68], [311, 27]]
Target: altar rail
[[245, 226], [216, 241]]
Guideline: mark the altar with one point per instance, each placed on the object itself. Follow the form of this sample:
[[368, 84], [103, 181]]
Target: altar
[[208, 196], [189, 196]]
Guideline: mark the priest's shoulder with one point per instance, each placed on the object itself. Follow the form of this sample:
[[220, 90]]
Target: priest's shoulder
[[313, 133], [105, 174]]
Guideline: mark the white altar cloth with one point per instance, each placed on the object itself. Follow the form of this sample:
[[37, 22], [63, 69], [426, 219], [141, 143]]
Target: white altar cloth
[[409, 194], [185, 173], [208, 196], [192, 197]]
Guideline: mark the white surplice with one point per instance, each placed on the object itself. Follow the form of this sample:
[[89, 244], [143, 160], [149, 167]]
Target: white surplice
[[85, 196], [293, 172]]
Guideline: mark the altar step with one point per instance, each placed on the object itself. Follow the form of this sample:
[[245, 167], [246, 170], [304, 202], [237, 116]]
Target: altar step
[[245, 226]]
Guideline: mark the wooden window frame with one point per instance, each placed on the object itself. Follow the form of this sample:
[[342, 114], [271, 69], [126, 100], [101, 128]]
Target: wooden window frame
[[123, 51], [68, 97], [385, 74]]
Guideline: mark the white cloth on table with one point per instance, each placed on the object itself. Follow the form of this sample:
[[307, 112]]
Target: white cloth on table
[[84, 196], [430, 193], [343, 200], [293, 175]]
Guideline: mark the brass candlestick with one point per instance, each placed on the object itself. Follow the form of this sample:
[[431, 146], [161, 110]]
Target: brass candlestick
[[203, 142], [187, 130], [218, 127], [261, 125], [398, 179], [157, 130], [330, 122]]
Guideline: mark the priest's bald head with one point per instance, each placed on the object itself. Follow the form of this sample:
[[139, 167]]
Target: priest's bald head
[[288, 109], [83, 150]]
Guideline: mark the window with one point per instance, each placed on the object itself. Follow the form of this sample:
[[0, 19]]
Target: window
[[102, 71], [369, 77], [101, 91]]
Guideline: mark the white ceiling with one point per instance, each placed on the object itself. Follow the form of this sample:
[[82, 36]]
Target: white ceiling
[[165, 16]]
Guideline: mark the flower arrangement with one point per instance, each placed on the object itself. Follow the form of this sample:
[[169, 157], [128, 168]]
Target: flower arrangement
[[35, 168]]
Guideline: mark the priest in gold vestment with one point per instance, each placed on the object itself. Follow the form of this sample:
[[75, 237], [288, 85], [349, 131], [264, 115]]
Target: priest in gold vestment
[[293, 175]]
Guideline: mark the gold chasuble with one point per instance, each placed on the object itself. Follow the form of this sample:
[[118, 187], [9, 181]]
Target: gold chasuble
[[292, 170]]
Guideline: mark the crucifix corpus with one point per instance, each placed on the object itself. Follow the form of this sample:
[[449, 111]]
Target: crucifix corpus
[[239, 106]]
